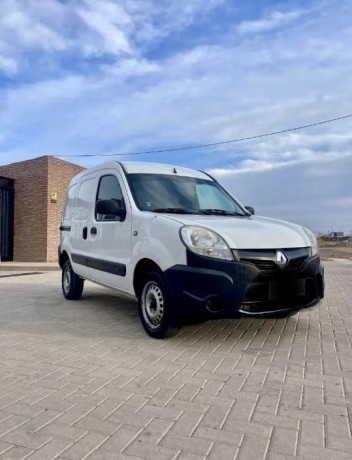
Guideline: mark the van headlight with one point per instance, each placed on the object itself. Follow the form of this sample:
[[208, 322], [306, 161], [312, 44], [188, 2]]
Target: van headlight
[[313, 242], [205, 242]]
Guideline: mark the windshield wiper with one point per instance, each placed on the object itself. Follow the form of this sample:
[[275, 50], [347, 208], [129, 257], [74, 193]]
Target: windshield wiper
[[221, 212], [216, 212], [178, 210]]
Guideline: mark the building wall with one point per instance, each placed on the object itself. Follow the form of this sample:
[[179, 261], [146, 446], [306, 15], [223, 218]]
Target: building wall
[[37, 219], [60, 174], [30, 239]]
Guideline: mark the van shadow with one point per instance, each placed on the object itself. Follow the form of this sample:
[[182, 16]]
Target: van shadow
[[105, 314], [119, 314]]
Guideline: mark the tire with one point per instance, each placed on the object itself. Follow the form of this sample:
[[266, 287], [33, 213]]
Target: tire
[[154, 307], [72, 284]]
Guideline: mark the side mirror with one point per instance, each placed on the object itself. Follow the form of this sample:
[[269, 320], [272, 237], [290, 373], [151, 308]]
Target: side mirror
[[250, 209], [110, 208]]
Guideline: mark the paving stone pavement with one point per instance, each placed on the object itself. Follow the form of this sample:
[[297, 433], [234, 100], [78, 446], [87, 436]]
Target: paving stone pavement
[[82, 380]]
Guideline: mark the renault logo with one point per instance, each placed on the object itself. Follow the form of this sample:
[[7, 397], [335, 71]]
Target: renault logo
[[280, 259]]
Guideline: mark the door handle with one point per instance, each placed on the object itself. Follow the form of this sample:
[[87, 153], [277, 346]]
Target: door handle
[[93, 231], [85, 233]]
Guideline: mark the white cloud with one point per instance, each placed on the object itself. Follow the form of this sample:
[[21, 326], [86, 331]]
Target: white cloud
[[89, 28], [7, 64], [318, 201], [30, 33], [343, 202], [109, 23], [308, 161], [275, 20], [29, 26]]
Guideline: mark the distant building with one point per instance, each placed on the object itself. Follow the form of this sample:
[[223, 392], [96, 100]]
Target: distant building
[[338, 237], [32, 195], [337, 234]]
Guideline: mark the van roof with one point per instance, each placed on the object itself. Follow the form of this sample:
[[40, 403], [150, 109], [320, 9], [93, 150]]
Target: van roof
[[134, 167]]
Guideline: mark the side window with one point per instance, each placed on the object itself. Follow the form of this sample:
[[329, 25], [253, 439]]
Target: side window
[[110, 192], [84, 197], [70, 203]]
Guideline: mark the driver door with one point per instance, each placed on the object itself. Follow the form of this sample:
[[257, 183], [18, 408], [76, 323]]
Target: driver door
[[110, 235]]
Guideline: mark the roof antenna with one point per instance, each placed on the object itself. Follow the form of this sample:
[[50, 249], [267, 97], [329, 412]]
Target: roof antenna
[[174, 171]]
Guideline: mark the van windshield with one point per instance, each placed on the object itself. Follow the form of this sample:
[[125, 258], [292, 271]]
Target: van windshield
[[181, 195]]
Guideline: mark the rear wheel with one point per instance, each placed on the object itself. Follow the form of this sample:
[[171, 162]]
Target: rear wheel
[[154, 307], [72, 284]]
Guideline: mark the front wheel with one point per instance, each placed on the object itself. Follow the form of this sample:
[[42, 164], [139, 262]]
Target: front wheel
[[154, 307], [72, 284]]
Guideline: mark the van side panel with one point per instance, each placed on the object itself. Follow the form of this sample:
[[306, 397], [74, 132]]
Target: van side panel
[[158, 240]]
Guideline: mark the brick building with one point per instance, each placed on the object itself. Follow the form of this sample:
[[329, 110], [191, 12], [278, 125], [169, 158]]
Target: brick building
[[32, 195]]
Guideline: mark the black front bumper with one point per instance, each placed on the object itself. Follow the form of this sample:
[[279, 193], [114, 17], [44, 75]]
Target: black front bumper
[[226, 289]]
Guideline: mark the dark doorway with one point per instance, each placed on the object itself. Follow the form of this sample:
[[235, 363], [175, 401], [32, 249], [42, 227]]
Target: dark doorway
[[7, 207]]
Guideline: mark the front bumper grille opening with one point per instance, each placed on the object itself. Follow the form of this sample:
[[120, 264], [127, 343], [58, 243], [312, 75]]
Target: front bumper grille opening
[[310, 287], [289, 293], [256, 292], [268, 267], [296, 264]]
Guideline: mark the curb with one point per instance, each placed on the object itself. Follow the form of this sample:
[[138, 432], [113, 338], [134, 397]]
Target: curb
[[23, 267]]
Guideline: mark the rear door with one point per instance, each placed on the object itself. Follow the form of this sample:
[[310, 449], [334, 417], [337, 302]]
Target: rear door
[[81, 219], [110, 236]]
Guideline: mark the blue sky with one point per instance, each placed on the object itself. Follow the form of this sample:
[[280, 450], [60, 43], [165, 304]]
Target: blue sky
[[116, 76]]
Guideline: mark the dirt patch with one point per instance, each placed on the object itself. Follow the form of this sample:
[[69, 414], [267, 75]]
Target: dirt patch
[[336, 252], [332, 249]]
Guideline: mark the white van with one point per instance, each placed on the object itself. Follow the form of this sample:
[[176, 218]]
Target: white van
[[180, 243]]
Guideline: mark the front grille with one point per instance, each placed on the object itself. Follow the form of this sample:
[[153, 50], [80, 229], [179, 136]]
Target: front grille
[[264, 259], [268, 267]]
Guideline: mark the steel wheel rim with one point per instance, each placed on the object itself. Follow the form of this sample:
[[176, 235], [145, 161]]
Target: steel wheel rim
[[153, 304], [66, 281]]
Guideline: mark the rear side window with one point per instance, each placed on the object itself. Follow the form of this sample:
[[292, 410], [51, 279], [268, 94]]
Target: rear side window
[[84, 199], [109, 189], [70, 202]]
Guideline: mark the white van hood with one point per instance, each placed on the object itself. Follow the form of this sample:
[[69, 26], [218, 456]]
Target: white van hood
[[252, 232]]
